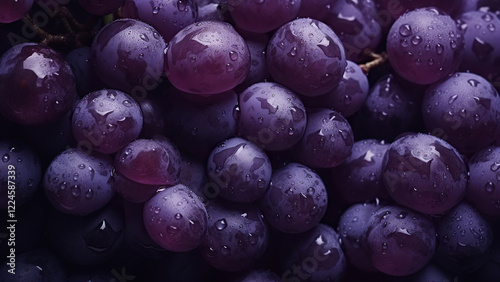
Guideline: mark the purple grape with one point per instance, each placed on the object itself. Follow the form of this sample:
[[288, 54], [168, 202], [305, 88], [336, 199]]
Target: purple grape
[[296, 199], [315, 255], [86, 79], [307, 56], [127, 54], [425, 173], [263, 16], [166, 16], [425, 45], [87, 240], [327, 140], [152, 109], [400, 241], [106, 121], [348, 97], [259, 72], [36, 85], [240, 170], [430, 272], [481, 31], [356, 24], [79, 183], [463, 109], [132, 191], [13, 10], [210, 11], [465, 238], [35, 265], [479, 5], [101, 7], [237, 236], [206, 58], [352, 229], [176, 219], [20, 174], [315, 9], [271, 116], [484, 178], [389, 110], [358, 178], [150, 161], [196, 126]]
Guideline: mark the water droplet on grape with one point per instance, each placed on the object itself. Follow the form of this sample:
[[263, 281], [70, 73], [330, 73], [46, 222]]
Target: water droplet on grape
[[405, 30], [75, 176], [453, 44], [491, 27], [439, 49], [5, 158], [75, 191], [225, 250], [489, 187], [89, 194], [156, 10], [430, 62], [172, 230], [416, 40], [473, 82], [487, 17], [229, 67]]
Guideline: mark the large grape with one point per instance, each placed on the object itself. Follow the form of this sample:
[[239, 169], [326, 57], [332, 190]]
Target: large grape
[[106, 121], [79, 183], [425, 45], [176, 219], [36, 85], [296, 199], [206, 58], [127, 54], [425, 173], [464, 110], [307, 56]]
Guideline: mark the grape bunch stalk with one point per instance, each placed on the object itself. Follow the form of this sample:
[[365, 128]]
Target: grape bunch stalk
[[262, 140]]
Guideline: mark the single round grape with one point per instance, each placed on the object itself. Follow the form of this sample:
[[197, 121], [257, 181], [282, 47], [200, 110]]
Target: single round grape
[[176, 219], [400, 241], [153, 113], [296, 199], [194, 176], [315, 255], [425, 45], [166, 16], [358, 178], [425, 173], [315, 9], [240, 169], [20, 173], [106, 121], [465, 238], [483, 187], [132, 191], [481, 31], [389, 110], [263, 16], [237, 236], [36, 85], [101, 7], [207, 57], [327, 140], [463, 109], [356, 24], [86, 79], [259, 72], [271, 116], [79, 183], [348, 97], [13, 10], [352, 229], [196, 126], [87, 240], [127, 54], [150, 161], [307, 56], [34, 265]]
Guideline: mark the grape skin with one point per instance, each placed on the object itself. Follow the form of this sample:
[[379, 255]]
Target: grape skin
[[13, 10]]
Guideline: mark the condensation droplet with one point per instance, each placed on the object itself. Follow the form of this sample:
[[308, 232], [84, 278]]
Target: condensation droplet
[[405, 30]]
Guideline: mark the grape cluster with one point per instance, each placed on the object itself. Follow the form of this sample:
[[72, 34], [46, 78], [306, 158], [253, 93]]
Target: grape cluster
[[263, 140]]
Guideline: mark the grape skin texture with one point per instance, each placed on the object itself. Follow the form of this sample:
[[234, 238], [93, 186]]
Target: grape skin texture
[[425, 173], [400, 241], [13, 10], [176, 219], [296, 199], [307, 56], [207, 57], [79, 183], [464, 109], [106, 120], [127, 54], [425, 45], [36, 85]]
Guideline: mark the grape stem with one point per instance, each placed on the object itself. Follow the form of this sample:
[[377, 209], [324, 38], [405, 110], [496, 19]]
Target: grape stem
[[377, 60], [76, 33]]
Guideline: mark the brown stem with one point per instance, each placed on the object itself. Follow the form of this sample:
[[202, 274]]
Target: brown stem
[[378, 59]]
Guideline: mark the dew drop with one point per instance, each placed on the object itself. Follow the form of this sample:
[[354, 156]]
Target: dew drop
[[491, 27], [495, 166], [229, 67], [5, 158], [233, 55], [172, 230], [89, 194], [127, 103], [156, 10], [252, 238], [487, 17], [416, 40], [293, 51], [181, 6], [156, 210], [221, 224], [453, 44], [75, 176], [489, 187], [75, 191], [81, 166], [427, 47], [178, 216], [452, 99], [473, 82], [430, 62], [445, 239], [405, 30], [225, 250], [439, 49]]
